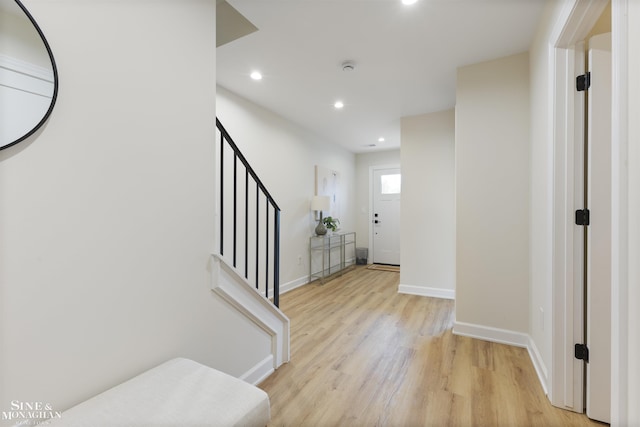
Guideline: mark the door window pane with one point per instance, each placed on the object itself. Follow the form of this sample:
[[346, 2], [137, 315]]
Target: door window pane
[[390, 184]]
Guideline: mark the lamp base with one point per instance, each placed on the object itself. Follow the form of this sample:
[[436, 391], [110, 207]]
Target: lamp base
[[321, 230]]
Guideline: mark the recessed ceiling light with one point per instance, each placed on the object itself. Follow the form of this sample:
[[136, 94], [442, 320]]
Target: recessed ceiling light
[[256, 75], [338, 104], [408, 2], [381, 139]]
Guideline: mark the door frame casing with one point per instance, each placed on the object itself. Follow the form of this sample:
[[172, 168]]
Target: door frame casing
[[576, 20], [625, 203]]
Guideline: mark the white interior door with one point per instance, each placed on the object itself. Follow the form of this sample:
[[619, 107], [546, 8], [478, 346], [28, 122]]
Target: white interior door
[[386, 216], [598, 259]]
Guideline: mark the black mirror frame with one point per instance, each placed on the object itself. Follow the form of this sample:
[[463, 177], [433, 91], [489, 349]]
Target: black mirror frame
[[55, 79]]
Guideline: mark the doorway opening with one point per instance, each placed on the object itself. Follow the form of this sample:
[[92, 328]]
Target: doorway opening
[[573, 187], [386, 190]]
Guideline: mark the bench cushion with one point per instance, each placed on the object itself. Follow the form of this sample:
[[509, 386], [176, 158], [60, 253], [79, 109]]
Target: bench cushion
[[179, 392]]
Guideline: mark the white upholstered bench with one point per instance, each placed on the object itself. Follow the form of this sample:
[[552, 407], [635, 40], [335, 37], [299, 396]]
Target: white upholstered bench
[[179, 392]]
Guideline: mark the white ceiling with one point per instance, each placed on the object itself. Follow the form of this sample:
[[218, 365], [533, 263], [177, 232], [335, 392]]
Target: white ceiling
[[405, 59]]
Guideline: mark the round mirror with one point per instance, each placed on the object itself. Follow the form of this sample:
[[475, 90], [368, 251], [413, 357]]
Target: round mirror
[[28, 75]]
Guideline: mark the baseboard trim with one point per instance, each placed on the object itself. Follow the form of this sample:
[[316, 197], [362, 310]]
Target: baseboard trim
[[427, 292], [504, 336], [294, 284], [259, 372], [488, 333], [538, 365]]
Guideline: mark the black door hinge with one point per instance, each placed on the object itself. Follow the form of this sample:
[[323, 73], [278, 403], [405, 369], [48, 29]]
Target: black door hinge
[[583, 82], [581, 352], [582, 217]]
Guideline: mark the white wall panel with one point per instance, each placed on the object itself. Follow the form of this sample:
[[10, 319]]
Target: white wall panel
[[492, 194], [106, 215], [428, 204]]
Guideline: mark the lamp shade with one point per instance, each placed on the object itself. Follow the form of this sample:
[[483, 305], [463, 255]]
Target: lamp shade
[[320, 203]]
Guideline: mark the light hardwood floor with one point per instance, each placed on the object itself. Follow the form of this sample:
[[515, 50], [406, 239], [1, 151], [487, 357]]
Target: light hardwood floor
[[364, 355]]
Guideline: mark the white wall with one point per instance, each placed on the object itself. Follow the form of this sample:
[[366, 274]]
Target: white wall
[[428, 205], [106, 214], [541, 167], [492, 194], [284, 156], [364, 163]]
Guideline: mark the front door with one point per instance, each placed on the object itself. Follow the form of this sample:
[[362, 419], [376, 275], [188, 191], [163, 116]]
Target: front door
[[386, 216]]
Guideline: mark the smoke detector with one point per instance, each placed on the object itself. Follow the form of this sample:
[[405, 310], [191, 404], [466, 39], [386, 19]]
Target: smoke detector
[[348, 66]]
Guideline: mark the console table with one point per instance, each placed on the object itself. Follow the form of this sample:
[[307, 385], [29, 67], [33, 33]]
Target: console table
[[330, 254]]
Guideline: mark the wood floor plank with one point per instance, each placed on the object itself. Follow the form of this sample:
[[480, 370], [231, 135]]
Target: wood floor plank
[[364, 355]]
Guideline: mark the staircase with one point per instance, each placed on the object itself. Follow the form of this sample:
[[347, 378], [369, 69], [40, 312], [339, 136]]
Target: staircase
[[246, 264], [249, 227]]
